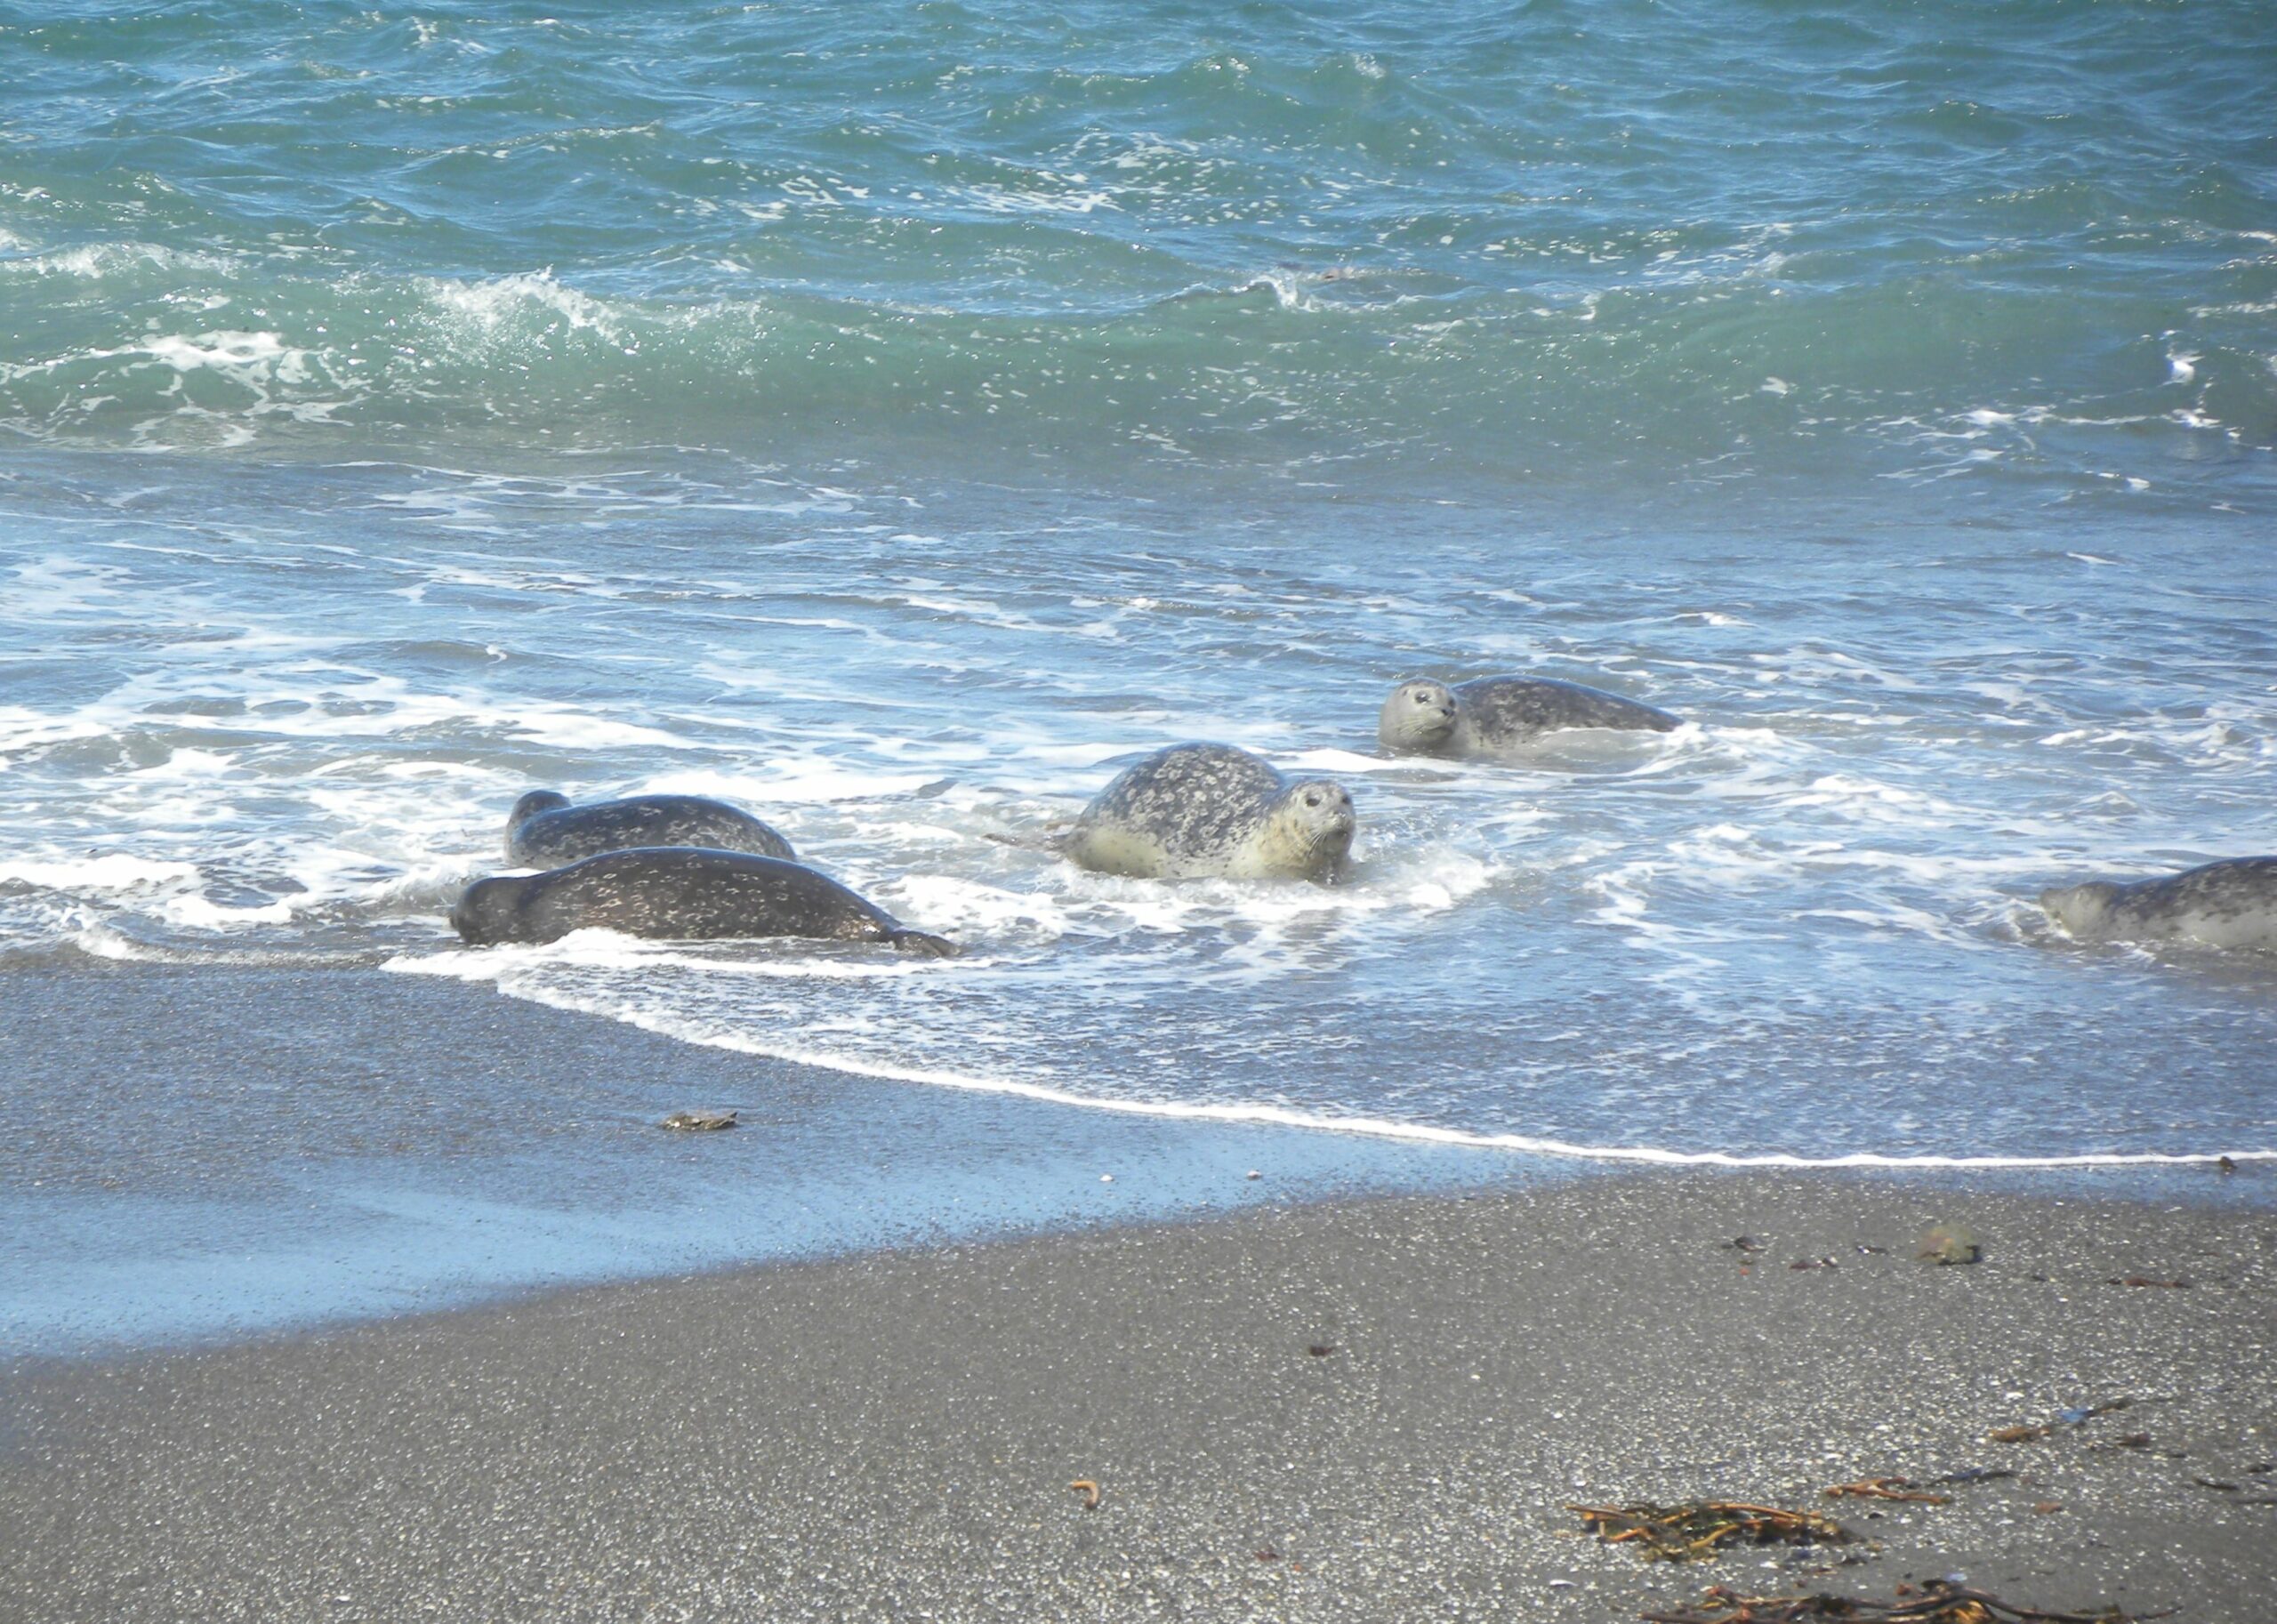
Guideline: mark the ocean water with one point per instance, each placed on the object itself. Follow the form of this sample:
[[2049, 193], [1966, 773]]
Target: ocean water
[[894, 419]]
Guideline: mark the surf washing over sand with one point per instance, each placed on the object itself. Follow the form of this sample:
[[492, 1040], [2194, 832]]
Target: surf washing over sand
[[895, 431]]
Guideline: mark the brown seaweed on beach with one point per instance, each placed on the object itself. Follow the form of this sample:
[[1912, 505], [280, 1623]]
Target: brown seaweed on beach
[[2017, 1435], [1887, 1489], [1937, 1603], [2029, 1433], [1090, 1491], [1692, 1531]]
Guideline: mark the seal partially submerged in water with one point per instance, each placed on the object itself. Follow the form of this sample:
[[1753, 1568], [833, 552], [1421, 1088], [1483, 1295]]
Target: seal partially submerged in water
[[1493, 715], [678, 891], [2230, 903], [1195, 810], [544, 831]]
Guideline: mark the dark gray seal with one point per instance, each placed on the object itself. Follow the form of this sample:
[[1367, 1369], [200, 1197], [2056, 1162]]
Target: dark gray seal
[[678, 891], [1493, 716], [2230, 903], [1195, 810], [544, 831]]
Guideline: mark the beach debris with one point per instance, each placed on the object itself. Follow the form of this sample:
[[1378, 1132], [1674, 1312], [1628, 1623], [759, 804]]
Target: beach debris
[[1090, 1491], [1813, 1263], [2144, 1280], [699, 1122], [1693, 1530], [2226, 1488], [1266, 1554], [1746, 1244], [1888, 1489], [2071, 1417], [1937, 1602], [1320, 1350], [1252, 1173], [1948, 1243], [1974, 1473], [2048, 1507]]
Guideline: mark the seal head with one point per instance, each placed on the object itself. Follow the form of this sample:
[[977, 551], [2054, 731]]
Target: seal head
[[1417, 720], [1308, 831], [530, 805], [2081, 908]]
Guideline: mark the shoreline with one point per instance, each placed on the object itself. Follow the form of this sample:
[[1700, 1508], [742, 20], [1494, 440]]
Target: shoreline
[[304, 1147], [892, 1434]]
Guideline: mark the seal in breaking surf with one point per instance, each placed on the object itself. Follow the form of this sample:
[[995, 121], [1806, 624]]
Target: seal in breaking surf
[[2229, 904], [1197, 810], [678, 891], [1493, 716], [544, 831]]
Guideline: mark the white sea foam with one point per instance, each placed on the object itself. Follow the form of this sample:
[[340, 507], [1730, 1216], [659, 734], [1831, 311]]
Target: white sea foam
[[997, 200], [108, 872], [490, 309]]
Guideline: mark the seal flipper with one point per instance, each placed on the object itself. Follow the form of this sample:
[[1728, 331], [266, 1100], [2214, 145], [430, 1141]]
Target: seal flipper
[[918, 942]]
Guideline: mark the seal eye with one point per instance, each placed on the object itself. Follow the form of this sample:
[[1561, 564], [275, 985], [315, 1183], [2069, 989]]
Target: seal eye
[[1422, 699], [1313, 798]]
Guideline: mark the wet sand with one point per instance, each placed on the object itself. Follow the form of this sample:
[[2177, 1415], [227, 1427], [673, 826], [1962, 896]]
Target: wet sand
[[893, 1435]]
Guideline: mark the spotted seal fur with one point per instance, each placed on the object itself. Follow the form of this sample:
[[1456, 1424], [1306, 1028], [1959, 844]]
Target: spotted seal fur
[[2229, 904], [1492, 716], [678, 891], [1197, 810], [544, 831]]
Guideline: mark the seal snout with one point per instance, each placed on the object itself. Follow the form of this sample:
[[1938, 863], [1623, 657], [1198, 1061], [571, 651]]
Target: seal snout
[[476, 914]]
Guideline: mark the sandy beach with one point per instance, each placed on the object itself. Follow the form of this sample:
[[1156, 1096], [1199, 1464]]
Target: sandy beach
[[1814, 467], [1374, 1410]]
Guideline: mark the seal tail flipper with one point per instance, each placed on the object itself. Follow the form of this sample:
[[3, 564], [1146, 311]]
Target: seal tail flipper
[[918, 942]]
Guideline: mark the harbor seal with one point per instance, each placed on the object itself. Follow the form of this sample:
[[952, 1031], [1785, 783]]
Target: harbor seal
[[1195, 810], [2230, 903], [1493, 715], [544, 831], [678, 891]]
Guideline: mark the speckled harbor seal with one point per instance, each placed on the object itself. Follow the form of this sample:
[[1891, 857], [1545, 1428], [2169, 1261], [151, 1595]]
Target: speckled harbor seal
[[1493, 715], [1193, 811], [544, 831], [2230, 903], [678, 891]]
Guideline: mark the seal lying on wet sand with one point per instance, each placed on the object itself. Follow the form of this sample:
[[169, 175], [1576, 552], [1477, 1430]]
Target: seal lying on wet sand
[[1494, 715], [544, 831], [1195, 810], [2230, 903], [678, 891]]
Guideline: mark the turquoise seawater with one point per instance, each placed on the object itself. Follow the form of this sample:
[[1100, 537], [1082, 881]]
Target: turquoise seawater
[[895, 418]]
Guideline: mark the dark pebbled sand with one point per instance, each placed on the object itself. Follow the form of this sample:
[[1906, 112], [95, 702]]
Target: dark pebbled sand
[[893, 1437]]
